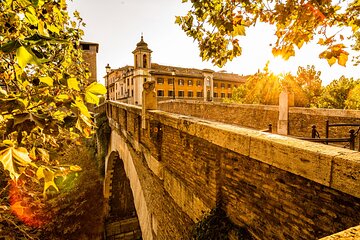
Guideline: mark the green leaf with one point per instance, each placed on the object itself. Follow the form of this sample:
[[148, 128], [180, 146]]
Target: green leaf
[[47, 80], [73, 84], [10, 46]]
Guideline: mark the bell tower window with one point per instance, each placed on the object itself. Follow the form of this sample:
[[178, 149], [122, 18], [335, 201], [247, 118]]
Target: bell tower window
[[145, 61]]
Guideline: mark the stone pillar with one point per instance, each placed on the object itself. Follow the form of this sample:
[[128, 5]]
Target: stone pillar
[[149, 100], [283, 123], [208, 84]]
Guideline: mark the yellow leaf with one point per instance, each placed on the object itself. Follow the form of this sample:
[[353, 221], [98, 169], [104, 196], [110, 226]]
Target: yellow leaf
[[73, 84], [287, 53], [300, 43], [92, 98], [41, 29], [63, 97], [44, 154], [32, 153], [40, 3], [81, 106], [53, 28], [75, 168], [321, 41], [96, 88], [40, 173], [239, 30], [331, 60], [86, 120], [342, 59], [92, 92], [9, 143], [87, 132], [23, 57], [49, 180], [78, 125], [48, 80], [31, 18], [7, 161], [21, 156], [337, 47], [25, 84]]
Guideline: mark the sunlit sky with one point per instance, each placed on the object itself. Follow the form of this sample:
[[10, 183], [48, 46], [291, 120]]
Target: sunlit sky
[[117, 26]]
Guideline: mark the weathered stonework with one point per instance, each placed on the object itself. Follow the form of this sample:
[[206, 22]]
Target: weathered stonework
[[348, 234], [277, 187], [300, 120]]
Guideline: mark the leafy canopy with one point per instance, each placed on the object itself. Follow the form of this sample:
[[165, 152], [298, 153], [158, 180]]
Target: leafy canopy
[[265, 87], [337, 93], [217, 25], [44, 89]]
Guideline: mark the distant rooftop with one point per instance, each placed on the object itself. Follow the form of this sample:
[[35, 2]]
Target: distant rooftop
[[188, 72], [157, 69]]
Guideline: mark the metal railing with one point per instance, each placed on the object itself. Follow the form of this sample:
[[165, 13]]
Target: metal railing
[[315, 136]]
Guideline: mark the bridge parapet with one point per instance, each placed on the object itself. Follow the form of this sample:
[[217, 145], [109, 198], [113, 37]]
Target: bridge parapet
[[256, 116], [278, 187]]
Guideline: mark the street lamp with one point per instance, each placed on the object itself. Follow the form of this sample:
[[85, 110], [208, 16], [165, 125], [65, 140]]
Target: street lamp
[[173, 74], [108, 70]]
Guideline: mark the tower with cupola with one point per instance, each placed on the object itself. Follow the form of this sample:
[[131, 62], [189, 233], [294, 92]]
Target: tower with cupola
[[142, 65]]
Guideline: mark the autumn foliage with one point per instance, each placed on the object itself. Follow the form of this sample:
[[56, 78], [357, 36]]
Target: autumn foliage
[[217, 26], [44, 93]]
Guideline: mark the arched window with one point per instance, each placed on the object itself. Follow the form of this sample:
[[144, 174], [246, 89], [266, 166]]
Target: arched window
[[144, 61], [137, 61]]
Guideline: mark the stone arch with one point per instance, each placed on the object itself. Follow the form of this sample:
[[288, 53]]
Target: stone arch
[[109, 169], [121, 217]]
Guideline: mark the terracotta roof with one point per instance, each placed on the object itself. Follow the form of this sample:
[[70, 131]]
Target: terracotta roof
[[193, 72], [231, 77]]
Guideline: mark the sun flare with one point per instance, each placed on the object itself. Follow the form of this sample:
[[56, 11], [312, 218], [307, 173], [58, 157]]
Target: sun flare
[[277, 65]]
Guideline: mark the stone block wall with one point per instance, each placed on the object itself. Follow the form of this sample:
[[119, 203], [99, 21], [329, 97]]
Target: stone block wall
[[301, 120], [259, 116], [246, 115], [275, 186]]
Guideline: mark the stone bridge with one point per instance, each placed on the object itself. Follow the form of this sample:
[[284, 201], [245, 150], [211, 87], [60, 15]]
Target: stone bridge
[[174, 168]]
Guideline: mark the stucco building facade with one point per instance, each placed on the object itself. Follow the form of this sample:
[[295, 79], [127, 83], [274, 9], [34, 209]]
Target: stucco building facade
[[125, 84]]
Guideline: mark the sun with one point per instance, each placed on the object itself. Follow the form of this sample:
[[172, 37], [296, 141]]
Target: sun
[[277, 65]]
